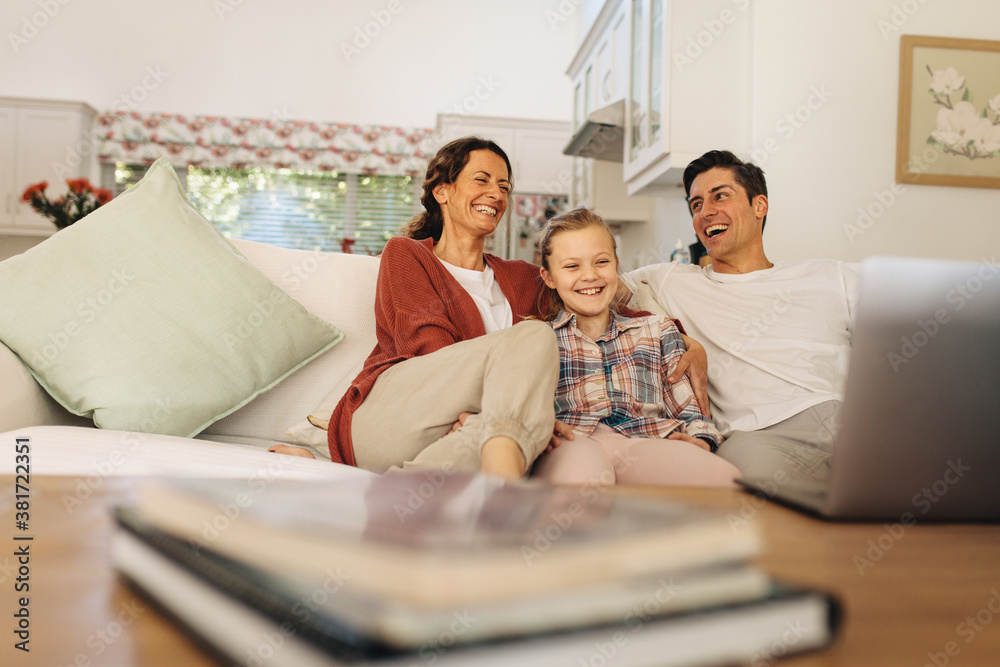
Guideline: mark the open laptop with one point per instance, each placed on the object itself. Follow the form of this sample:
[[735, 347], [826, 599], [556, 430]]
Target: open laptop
[[919, 436]]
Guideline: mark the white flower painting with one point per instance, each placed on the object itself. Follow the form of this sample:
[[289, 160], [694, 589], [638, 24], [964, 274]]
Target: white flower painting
[[962, 129]]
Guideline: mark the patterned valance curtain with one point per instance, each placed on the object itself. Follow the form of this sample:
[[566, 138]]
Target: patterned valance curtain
[[216, 141]]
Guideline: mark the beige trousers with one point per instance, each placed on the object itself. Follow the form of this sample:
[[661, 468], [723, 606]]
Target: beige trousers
[[507, 379]]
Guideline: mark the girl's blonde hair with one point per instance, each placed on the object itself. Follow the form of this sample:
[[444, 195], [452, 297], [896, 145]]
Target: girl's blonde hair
[[550, 303]]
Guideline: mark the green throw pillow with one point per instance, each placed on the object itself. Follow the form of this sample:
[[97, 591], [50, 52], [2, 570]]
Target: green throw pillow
[[144, 317]]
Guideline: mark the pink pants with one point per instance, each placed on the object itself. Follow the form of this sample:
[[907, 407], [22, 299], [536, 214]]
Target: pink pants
[[608, 457]]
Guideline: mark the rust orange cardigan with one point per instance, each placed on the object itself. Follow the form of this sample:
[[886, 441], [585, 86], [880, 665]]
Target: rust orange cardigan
[[420, 308]]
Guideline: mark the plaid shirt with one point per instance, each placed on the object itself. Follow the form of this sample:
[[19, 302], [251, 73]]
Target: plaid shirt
[[621, 380]]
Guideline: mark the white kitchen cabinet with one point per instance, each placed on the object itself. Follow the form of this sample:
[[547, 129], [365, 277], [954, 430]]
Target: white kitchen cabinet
[[689, 87], [40, 140], [600, 74], [599, 71], [599, 185]]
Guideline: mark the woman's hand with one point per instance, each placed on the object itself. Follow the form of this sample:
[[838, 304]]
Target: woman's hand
[[560, 430], [292, 451], [697, 442], [695, 364]]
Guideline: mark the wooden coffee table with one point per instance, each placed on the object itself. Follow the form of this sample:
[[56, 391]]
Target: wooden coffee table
[[917, 595]]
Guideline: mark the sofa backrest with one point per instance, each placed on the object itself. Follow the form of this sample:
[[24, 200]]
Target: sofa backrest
[[339, 288]]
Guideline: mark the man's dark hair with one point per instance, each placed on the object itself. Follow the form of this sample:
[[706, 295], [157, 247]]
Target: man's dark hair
[[748, 175]]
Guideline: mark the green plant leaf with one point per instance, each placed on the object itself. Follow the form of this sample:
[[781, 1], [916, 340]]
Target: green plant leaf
[[967, 95]]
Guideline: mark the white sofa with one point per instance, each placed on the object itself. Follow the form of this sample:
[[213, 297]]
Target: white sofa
[[335, 287]]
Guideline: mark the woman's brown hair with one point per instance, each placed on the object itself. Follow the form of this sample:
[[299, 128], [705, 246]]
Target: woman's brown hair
[[444, 168], [550, 303]]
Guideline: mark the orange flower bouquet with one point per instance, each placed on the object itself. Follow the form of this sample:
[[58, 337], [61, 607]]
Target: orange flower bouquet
[[82, 198]]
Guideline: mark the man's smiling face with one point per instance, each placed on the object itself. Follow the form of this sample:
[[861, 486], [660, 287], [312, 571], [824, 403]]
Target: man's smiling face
[[727, 223]]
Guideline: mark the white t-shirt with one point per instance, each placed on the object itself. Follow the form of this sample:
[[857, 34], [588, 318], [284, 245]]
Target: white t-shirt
[[778, 340], [485, 291]]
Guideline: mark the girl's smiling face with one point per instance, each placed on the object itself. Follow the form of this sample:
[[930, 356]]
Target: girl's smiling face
[[583, 270]]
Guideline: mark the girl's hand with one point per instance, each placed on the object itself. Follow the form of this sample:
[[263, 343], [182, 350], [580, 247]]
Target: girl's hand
[[560, 430], [697, 442], [695, 364]]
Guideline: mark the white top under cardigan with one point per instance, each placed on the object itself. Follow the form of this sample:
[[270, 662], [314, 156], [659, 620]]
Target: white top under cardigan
[[485, 292]]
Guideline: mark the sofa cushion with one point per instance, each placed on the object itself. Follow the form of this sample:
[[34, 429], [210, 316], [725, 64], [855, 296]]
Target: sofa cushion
[[337, 287], [93, 455], [144, 317]]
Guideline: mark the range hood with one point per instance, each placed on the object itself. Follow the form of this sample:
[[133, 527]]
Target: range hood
[[602, 135]]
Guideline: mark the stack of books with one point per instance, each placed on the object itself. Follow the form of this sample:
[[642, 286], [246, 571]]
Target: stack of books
[[458, 569]]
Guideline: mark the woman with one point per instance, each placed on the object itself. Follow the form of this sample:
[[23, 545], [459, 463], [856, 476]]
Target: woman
[[457, 380]]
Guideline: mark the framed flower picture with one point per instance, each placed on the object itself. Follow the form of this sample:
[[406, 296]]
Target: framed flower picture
[[949, 112]]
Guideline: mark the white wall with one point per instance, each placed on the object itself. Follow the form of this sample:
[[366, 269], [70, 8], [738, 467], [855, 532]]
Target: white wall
[[266, 58], [262, 58], [842, 158]]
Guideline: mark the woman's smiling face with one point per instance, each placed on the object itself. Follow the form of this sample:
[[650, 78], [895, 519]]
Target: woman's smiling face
[[475, 203]]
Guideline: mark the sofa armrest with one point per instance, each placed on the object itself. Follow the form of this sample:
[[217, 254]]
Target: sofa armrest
[[24, 403]]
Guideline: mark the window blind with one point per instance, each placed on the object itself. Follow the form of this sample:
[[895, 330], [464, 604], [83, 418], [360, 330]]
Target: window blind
[[311, 210]]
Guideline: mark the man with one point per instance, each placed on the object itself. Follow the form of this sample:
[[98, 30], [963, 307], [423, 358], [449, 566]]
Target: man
[[778, 336]]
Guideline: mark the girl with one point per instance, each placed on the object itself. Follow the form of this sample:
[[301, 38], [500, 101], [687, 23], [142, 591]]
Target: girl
[[631, 425]]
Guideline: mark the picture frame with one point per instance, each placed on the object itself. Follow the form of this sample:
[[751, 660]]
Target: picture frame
[[948, 131]]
